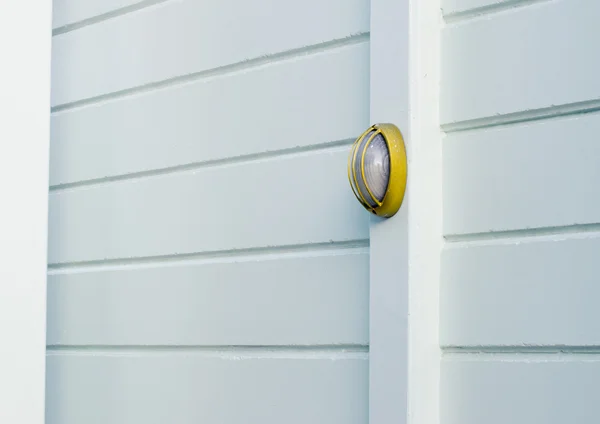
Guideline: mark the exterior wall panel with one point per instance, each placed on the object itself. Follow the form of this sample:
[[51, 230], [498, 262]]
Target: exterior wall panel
[[519, 95], [207, 261]]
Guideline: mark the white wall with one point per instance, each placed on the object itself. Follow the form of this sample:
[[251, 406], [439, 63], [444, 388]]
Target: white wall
[[519, 95], [24, 139], [208, 262], [425, 213]]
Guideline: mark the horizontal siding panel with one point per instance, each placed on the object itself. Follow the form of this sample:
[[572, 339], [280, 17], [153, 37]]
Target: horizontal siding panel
[[189, 388], [277, 301], [298, 199], [522, 293], [315, 99], [68, 12], [193, 36], [543, 174], [519, 392], [508, 62]]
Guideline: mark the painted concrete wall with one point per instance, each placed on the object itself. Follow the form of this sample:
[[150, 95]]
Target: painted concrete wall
[[208, 262], [519, 277]]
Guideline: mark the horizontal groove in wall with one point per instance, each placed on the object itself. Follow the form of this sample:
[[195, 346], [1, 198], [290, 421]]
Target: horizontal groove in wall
[[274, 154], [218, 72], [485, 11], [531, 234], [522, 353], [237, 255], [106, 16], [523, 349], [524, 116], [224, 352]]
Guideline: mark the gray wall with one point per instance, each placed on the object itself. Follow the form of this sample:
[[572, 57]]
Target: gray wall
[[521, 165], [208, 262]]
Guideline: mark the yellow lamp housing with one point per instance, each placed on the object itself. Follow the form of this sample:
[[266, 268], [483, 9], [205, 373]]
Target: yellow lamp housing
[[377, 169]]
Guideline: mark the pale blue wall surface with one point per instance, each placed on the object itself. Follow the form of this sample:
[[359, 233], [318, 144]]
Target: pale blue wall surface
[[208, 263], [519, 282]]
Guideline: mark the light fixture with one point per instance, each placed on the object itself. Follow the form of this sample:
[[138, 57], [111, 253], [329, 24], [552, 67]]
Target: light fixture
[[377, 169]]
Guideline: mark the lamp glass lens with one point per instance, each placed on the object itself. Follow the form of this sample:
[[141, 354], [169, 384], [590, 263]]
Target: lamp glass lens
[[377, 167], [360, 183]]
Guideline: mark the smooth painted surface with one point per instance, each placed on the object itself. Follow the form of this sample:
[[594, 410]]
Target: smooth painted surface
[[539, 174], [194, 36], [69, 12], [299, 199], [263, 300], [548, 389], [192, 387], [537, 292], [388, 313], [518, 61], [24, 138], [245, 113], [425, 214]]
